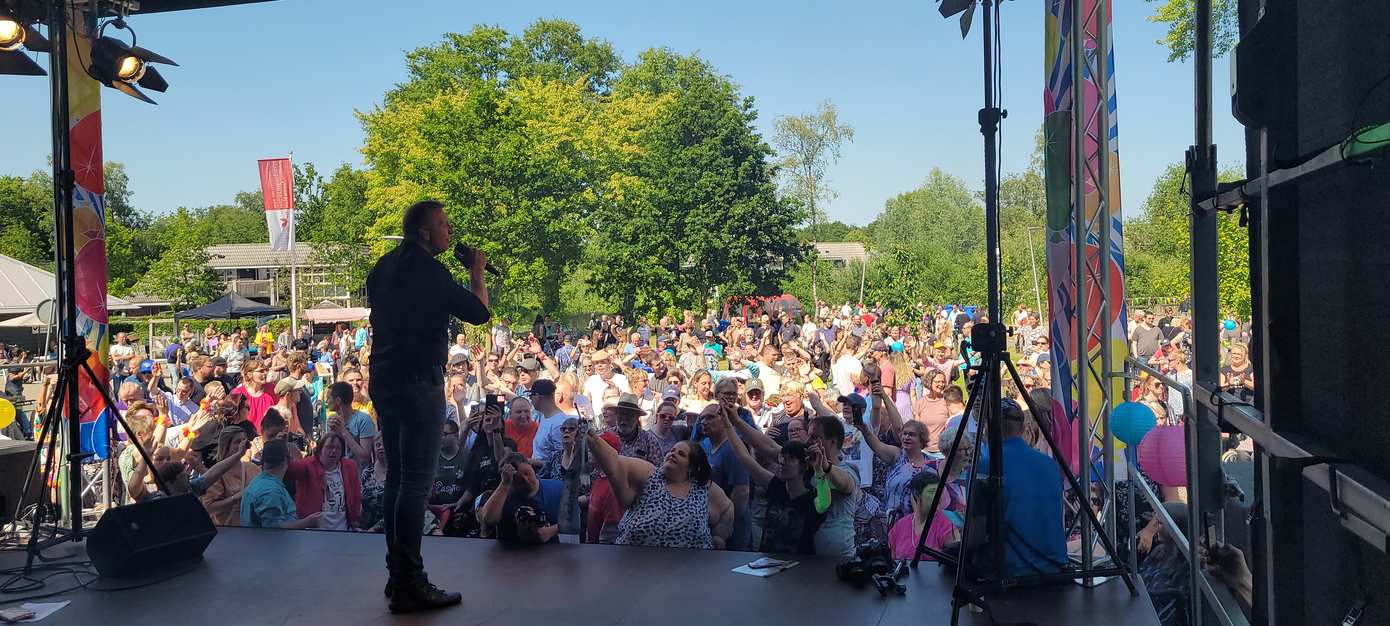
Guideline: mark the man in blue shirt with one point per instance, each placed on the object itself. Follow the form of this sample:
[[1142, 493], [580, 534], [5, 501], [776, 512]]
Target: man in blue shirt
[[266, 503], [1036, 541], [725, 468]]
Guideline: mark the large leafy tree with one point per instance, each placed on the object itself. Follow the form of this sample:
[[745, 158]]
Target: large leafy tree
[[706, 217], [514, 136]]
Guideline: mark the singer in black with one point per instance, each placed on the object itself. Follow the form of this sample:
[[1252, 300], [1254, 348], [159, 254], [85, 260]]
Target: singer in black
[[412, 296]]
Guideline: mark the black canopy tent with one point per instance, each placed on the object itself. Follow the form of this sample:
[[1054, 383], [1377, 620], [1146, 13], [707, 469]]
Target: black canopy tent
[[231, 306]]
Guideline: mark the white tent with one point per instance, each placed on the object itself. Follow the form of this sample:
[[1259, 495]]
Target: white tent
[[31, 320], [23, 287]]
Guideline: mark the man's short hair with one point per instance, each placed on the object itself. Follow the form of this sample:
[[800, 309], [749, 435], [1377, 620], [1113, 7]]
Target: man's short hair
[[953, 394], [273, 418], [415, 217], [340, 390], [196, 362], [275, 453]]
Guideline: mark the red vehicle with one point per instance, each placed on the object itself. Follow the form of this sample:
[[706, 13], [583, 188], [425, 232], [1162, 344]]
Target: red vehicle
[[752, 306]]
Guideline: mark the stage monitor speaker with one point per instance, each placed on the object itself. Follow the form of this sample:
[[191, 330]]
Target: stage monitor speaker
[[140, 539], [15, 459]]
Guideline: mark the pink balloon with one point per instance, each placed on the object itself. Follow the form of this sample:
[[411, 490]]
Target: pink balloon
[[1163, 456]]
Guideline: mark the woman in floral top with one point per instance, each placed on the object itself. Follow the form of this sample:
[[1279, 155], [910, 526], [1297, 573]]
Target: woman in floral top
[[373, 477]]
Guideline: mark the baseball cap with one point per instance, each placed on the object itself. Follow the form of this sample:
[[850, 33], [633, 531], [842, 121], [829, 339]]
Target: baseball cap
[[543, 387], [288, 384], [854, 400], [458, 359], [530, 364], [599, 356], [879, 346], [755, 385], [218, 361], [146, 366], [1011, 410], [671, 393]]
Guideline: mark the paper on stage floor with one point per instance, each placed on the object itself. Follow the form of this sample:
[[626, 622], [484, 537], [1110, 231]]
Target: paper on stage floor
[[764, 572], [41, 610]]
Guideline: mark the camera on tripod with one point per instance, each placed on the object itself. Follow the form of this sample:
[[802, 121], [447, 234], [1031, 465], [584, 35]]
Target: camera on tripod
[[991, 337]]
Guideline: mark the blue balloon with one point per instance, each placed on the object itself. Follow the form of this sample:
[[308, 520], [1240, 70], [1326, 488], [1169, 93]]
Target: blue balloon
[[1229, 324], [1130, 421]]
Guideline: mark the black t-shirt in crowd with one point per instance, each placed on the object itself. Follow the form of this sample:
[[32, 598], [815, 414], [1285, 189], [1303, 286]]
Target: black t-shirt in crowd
[[482, 474], [450, 479], [790, 525]]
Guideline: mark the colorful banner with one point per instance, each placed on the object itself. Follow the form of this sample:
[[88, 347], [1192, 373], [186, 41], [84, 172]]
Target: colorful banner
[[89, 236], [1067, 371], [277, 187]]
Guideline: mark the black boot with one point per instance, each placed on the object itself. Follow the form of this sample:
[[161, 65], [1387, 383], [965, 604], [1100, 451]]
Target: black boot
[[421, 596]]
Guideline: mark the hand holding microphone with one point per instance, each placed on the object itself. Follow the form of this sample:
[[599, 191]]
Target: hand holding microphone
[[468, 255]]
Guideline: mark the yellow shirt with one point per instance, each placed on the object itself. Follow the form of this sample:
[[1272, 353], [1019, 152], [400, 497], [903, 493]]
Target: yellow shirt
[[366, 407], [265, 342]]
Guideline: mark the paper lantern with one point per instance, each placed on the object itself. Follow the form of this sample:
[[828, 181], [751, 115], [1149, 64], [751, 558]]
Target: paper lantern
[[7, 413], [1130, 421], [1163, 456]]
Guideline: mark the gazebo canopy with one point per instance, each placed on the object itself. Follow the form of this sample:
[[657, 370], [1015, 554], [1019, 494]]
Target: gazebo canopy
[[329, 311], [231, 306]]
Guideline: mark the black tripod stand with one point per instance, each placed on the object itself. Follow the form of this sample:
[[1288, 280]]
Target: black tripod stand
[[974, 579], [990, 341], [66, 400]]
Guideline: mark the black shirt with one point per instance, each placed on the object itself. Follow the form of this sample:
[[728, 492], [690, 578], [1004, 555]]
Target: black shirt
[[449, 479], [412, 296], [790, 525]]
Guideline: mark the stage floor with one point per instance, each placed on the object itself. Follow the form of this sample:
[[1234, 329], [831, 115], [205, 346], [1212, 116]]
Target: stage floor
[[308, 577]]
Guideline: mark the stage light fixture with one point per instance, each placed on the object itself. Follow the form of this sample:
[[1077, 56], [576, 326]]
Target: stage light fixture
[[126, 67], [17, 37]]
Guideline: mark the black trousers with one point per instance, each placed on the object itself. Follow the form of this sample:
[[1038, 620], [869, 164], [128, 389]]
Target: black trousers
[[412, 418]]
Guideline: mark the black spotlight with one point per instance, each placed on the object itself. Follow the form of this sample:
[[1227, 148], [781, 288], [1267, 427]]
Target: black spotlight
[[123, 66], [17, 36]]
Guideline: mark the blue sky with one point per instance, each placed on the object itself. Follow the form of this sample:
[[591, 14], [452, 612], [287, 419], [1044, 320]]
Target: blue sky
[[263, 80]]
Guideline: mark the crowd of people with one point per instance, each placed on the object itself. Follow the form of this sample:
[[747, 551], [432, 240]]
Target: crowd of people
[[775, 432]]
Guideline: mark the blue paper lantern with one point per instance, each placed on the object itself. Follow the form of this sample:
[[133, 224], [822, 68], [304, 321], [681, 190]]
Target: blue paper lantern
[[1130, 421]]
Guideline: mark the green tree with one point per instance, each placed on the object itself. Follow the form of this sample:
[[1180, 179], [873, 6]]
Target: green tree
[[26, 218], [343, 235], [129, 247], [1157, 252], [810, 143], [706, 217], [519, 161], [1179, 15], [181, 273], [309, 201], [546, 50]]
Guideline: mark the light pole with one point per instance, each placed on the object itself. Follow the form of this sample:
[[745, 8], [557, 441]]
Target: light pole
[[1033, 262]]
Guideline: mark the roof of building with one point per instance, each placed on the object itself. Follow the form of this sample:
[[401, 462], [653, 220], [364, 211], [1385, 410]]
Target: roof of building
[[23, 287], [141, 299], [841, 250], [229, 256]]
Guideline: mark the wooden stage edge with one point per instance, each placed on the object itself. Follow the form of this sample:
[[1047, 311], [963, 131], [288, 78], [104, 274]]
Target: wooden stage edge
[[257, 577]]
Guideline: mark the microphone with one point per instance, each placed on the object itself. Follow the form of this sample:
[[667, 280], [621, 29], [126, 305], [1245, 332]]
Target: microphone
[[464, 253]]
